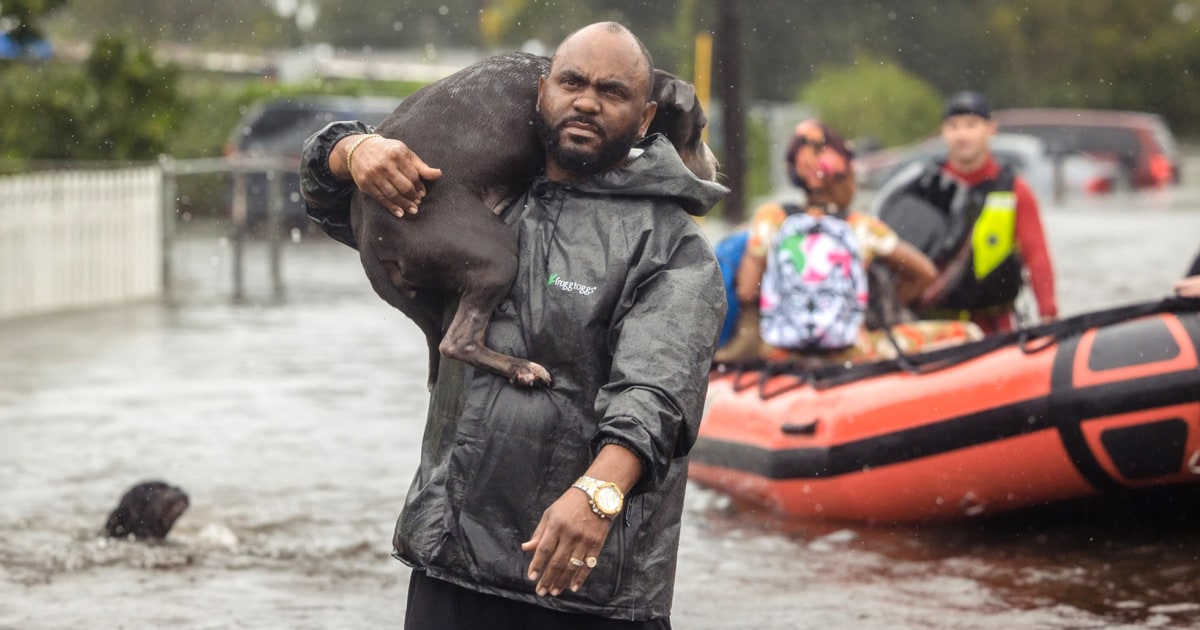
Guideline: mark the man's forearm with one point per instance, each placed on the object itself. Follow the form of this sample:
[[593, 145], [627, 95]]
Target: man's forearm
[[326, 197], [339, 157], [323, 171], [617, 464]]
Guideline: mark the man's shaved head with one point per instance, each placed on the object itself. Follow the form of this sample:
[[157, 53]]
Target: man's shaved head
[[613, 29]]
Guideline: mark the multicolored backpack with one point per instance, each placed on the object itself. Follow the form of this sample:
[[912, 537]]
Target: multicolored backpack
[[814, 290]]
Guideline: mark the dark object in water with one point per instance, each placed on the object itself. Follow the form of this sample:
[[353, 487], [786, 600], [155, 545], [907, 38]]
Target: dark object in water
[[147, 511]]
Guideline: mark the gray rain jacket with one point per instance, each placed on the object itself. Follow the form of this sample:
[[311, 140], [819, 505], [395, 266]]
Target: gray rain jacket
[[619, 296]]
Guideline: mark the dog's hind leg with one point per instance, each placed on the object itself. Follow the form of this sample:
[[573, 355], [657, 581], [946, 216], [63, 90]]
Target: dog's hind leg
[[465, 337]]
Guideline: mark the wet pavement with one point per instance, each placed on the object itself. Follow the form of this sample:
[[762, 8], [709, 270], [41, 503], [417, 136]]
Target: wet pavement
[[294, 425]]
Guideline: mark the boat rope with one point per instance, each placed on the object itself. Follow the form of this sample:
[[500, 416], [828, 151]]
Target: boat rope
[[1031, 340]]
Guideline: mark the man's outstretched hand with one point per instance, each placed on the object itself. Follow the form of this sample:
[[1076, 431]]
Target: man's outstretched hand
[[385, 169], [1188, 287], [567, 535]]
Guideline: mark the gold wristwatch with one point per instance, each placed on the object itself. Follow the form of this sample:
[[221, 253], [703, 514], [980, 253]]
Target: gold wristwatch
[[606, 498]]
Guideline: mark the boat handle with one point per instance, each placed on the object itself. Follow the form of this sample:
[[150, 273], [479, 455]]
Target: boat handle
[[800, 428]]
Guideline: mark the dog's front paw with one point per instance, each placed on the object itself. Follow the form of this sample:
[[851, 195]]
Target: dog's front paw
[[530, 374]]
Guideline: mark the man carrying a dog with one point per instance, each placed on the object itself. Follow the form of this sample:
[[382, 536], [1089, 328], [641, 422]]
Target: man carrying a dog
[[561, 507]]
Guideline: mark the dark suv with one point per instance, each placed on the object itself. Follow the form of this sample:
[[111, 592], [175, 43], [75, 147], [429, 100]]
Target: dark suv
[[1141, 143], [277, 128]]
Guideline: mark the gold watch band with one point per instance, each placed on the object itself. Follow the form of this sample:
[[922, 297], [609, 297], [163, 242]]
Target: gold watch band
[[592, 487], [587, 484]]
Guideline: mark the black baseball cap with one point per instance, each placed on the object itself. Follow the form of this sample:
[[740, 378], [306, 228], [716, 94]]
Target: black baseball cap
[[967, 103]]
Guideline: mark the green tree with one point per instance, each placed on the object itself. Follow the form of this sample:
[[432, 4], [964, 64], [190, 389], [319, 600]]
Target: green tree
[[135, 102], [1095, 53], [40, 110], [121, 105], [876, 99], [1102, 54]]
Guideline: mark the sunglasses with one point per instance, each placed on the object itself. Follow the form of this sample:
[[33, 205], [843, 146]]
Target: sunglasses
[[818, 144]]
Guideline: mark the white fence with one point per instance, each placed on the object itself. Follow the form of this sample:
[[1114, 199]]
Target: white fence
[[79, 239]]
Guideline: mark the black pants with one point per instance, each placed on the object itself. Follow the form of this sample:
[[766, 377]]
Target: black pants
[[438, 605]]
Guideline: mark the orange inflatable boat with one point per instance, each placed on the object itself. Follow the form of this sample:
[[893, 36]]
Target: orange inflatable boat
[[1106, 402]]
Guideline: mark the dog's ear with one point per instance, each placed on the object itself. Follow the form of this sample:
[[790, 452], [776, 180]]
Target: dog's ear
[[672, 92]]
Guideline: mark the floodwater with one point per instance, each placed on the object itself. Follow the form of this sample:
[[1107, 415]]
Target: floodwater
[[295, 424]]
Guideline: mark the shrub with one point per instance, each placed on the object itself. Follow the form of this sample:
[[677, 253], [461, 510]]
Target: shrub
[[120, 105], [874, 99]]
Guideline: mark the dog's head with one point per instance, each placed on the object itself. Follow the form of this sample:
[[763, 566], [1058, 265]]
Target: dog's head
[[681, 119], [147, 510]]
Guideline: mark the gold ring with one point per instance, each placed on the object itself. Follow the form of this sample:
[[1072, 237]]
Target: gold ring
[[591, 562], [576, 562]]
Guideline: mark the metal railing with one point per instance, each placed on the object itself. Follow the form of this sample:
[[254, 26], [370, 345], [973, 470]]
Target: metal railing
[[240, 168]]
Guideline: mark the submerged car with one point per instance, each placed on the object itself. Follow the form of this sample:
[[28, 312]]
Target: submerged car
[[277, 128], [1140, 143], [1028, 154]]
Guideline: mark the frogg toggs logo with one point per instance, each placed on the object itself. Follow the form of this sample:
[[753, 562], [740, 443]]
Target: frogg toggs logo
[[569, 287]]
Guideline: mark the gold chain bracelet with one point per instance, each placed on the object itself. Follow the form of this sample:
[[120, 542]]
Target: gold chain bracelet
[[350, 153]]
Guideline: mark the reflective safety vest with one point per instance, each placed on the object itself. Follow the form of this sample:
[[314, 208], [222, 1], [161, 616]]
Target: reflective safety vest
[[994, 237], [968, 230]]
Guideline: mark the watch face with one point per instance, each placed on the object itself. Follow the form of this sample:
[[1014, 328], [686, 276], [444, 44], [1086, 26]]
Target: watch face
[[608, 499]]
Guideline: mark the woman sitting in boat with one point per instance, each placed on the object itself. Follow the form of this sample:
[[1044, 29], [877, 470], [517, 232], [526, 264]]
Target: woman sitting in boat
[[801, 285]]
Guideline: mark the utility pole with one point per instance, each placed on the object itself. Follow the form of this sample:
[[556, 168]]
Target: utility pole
[[733, 116]]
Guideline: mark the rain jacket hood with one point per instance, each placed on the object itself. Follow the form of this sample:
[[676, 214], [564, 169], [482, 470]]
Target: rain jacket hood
[[654, 169]]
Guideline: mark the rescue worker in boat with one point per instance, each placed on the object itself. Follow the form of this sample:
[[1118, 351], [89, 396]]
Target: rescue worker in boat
[[979, 222]]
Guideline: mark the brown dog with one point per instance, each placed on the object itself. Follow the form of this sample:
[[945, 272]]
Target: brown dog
[[147, 511], [477, 125]]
